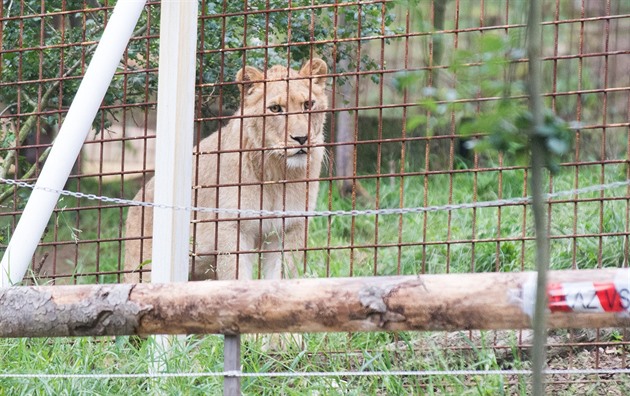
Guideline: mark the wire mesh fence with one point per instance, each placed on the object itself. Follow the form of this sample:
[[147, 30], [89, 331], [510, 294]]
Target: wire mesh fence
[[403, 81]]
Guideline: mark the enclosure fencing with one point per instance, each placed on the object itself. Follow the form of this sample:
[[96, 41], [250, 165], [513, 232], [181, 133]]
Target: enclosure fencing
[[424, 174]]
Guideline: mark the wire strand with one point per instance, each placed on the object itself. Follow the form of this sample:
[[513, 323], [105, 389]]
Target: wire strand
[[324, 213], [397, 373]]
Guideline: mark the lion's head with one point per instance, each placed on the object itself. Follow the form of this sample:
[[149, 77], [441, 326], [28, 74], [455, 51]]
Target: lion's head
[[283, 111]]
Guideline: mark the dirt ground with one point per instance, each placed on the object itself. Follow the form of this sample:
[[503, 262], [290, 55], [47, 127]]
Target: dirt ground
[[584, 349]]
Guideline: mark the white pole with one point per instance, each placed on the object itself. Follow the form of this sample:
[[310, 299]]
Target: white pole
[[70, 139], [174, 140], [173, 152]]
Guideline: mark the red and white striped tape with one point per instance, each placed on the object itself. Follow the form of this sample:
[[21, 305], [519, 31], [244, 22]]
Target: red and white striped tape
[[589, 296]]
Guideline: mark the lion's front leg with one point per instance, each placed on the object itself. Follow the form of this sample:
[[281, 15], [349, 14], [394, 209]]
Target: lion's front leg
[[286, 251], [232, 239]]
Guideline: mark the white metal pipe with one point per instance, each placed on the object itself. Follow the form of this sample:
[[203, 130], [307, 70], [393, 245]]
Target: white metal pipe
[[69, 141], [173, 152], [174, 140]]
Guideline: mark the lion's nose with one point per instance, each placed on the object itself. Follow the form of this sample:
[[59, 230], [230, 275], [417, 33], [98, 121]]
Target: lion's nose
[[300, 139]]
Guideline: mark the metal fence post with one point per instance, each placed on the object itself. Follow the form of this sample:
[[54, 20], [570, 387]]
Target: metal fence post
[[232, 362], [173, 152]]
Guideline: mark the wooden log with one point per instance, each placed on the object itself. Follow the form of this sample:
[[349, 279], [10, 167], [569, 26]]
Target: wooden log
[[424, 302]]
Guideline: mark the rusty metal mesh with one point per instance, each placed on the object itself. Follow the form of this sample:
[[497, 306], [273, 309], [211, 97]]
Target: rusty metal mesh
[[388, 146]]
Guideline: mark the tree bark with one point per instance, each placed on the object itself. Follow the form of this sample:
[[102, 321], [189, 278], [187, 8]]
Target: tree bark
[[344, 153], [345, 127], [399, 303]]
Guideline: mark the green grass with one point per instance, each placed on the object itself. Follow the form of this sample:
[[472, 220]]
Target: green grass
[[334, 352], [204, 354], [465, 240], [459, 241], [440, 242]]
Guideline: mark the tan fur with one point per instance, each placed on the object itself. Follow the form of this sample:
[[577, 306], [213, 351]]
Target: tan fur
[[259, 169]]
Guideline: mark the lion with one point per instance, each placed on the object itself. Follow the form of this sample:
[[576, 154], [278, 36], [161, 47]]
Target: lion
[[266, 159]]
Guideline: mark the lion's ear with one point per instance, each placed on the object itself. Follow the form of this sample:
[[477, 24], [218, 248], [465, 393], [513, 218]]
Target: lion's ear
[[315, 67], [247, 78]]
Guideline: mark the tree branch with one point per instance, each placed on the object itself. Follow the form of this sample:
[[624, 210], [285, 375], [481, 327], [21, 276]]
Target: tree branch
[[9, 191], [534, 78], [26, 128]]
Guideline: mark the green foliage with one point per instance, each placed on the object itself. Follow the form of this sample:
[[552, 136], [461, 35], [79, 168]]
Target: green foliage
[[509, 130], [63, 56], [44, 54], [490, 70], [310, 31]]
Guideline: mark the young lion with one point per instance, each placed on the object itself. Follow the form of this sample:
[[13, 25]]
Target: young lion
[[247, 159]]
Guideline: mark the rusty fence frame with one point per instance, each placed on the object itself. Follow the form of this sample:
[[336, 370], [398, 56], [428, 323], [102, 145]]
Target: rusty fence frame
[[584, 55]]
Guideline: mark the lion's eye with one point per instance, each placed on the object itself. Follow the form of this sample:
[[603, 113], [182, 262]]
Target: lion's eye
[[308, 105], [276, 108]]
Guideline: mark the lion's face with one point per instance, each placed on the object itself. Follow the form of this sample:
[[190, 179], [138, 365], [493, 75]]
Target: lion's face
[[288, 119]]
